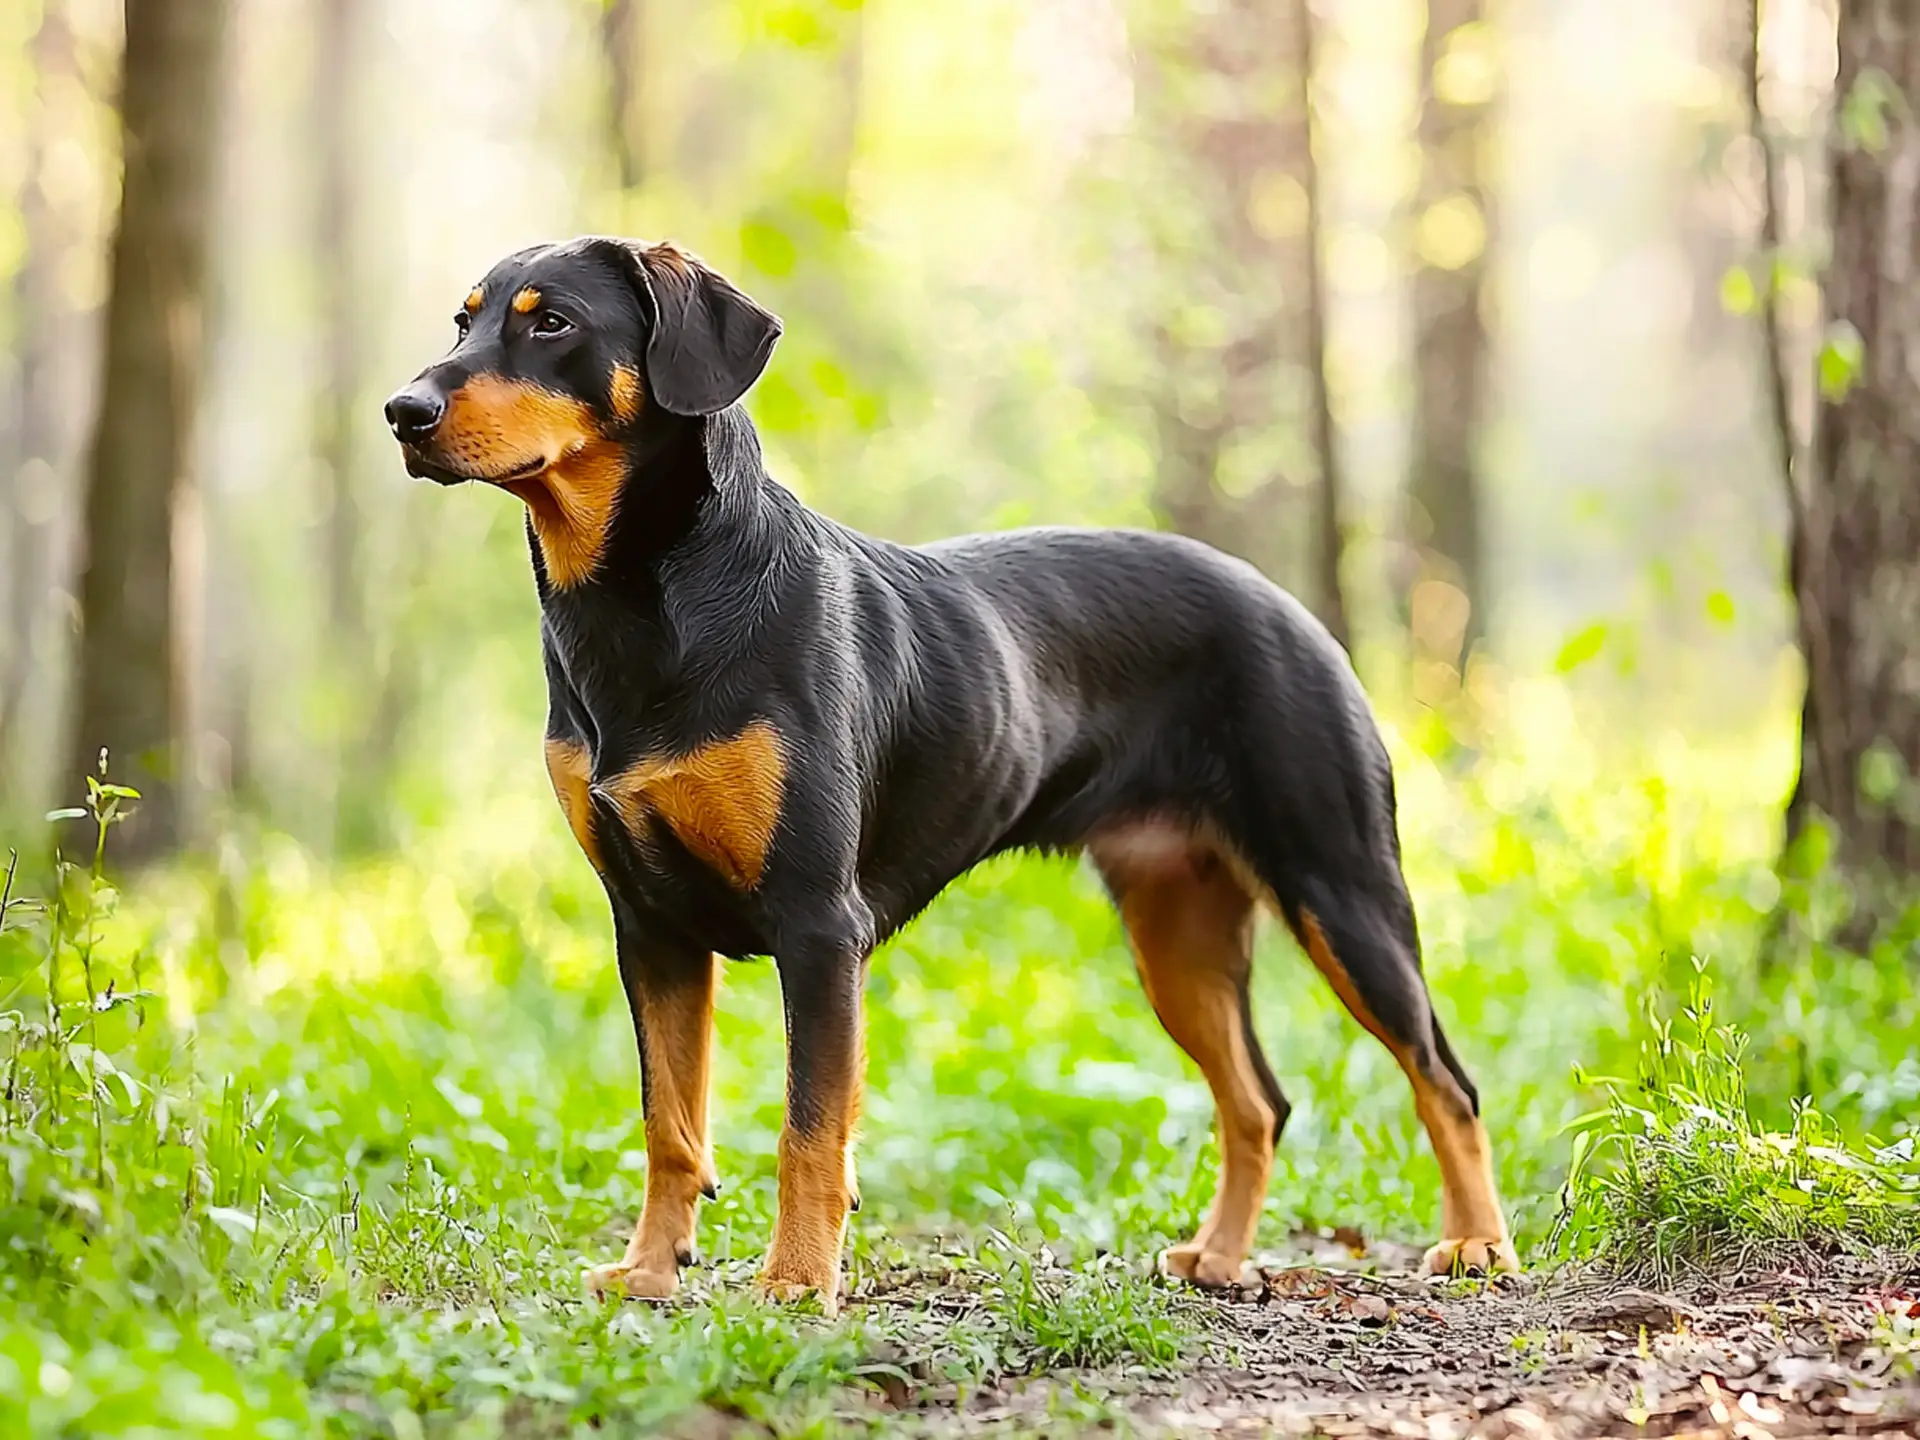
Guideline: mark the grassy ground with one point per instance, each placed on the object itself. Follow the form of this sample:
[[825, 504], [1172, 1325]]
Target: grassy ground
[[324, 1152]]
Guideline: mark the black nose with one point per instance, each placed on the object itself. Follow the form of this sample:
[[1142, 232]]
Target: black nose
[[415, 413]]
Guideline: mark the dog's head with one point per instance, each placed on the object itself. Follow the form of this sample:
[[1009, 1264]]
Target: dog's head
[[564, 349]]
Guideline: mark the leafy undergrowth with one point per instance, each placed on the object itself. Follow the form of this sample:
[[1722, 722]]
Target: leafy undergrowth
[[293, 1150], [1677, 1174]]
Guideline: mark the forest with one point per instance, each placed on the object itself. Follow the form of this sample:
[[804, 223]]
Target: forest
[[1559, 357]]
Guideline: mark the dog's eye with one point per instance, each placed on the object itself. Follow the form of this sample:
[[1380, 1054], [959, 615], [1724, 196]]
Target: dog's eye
[[552, 322], [462, 321]]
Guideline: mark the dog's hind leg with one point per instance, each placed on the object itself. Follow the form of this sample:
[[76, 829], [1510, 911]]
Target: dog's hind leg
[[1365, 945], [1191, 924]]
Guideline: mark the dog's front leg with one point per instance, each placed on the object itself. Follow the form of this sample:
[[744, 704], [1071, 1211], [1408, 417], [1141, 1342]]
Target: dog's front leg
[[670, 990], [821, 978]]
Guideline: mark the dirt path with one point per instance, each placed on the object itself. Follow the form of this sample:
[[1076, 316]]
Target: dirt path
[[1328, 1349]]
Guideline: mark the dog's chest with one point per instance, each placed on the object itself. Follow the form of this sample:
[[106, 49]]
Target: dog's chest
[[719, 801]]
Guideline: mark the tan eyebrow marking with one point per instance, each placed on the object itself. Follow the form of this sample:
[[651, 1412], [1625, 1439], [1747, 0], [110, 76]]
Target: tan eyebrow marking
[[526, 300], [474, 298]]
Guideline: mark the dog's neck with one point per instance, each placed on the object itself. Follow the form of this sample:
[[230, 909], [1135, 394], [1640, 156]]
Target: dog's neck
[[637, 519]]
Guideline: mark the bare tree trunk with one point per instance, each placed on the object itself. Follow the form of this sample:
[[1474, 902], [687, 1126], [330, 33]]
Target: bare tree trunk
[[38, 449], [1329, 597], [129, 688], [1224, 97], [622, 37], [336, 257], [1445, 527], [1856, 546], [341, 281]]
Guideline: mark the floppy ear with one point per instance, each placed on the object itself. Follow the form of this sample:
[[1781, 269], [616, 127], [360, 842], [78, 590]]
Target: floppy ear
[[710, 341]]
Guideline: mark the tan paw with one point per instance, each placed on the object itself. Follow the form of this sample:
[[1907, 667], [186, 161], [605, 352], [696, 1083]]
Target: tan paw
[[613, 1282], [783, 1291], [1471, 1257], [1208, 1268]]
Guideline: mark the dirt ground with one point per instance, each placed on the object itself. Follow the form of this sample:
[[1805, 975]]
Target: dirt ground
[[1346, 1344]]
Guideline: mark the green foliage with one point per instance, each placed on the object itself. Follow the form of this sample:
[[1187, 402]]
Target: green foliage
[[1676, 1173], [290, 1148], [1097, 1314]]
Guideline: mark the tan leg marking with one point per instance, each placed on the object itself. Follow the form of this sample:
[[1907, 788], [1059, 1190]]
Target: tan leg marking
[[722, 801], [1472, 1226], [570, 769], [678, 1026], [1191, 924], [817, 1189]]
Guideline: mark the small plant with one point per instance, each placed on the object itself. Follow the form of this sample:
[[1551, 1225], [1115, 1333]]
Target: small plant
[[1094, 1315], [1675, 1172]]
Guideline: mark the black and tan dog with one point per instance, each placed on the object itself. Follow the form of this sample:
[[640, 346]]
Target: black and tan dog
[[774, 736]]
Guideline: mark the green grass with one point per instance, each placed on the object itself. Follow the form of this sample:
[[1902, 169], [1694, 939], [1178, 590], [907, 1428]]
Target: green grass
[[1696, 1182], [322, 1151]]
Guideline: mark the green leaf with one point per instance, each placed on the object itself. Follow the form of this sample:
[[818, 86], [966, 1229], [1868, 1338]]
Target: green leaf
[[1738, 295], [1863, 110], [1882, 772], [238, 1224], [1841, 359], [1581, 647], [767, 248]]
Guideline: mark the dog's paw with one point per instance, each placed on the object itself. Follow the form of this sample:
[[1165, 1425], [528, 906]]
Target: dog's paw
[[1208, 1268], [783, 1291], [615, 1282], [1472, 1256]]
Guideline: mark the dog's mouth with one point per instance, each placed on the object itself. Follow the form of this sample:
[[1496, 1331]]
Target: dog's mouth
[[423, 466]]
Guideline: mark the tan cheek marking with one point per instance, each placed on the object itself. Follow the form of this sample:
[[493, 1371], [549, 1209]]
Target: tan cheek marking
[[527, 300], [495, 425], [721, 802], [569, 769], [623, 389], [476, 297]]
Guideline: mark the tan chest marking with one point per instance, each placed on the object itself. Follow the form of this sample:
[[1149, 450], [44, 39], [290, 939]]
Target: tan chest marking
[[721, 802], [571, 771]]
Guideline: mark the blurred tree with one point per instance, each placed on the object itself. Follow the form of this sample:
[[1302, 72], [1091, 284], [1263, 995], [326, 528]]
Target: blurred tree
[[623, 40], [1453, 233], [787, 118], [41, 332], [142, 457], [1785, 446], [1237, 377], [1329, 494], [338, 270], [1856, 542], [352, 680]]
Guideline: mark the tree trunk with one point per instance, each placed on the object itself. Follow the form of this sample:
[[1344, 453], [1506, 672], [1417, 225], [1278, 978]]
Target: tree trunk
[[622, 36], [1329, 545], [129, 688], [336, 265], [1454, 228], [347, 669], [1239, 394], [1856, 546], [42, 439]]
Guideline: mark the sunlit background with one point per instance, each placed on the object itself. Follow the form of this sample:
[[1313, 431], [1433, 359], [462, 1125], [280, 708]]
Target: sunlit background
[[1038, 260]]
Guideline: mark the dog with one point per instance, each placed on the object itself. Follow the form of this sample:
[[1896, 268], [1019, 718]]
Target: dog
[[773, 735]]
